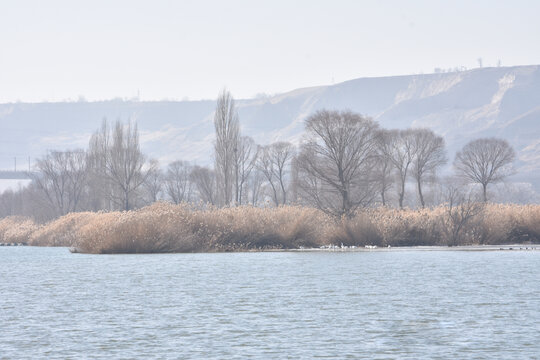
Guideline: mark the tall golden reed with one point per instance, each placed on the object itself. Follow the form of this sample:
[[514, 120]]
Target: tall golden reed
[[164, 227]]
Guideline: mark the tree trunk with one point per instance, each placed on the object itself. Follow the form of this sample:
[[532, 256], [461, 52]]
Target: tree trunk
[[236, 178], [484, 188], [276, 200], [401, 195], [346, 207], [420, 194], [126, 195], [240, 188], [283, 189]]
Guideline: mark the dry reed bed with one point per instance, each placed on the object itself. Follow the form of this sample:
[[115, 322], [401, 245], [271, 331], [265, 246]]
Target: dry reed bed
[[164, 227], [16, 229]]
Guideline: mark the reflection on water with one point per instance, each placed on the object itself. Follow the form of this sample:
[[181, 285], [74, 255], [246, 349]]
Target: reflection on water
[[269, 305]]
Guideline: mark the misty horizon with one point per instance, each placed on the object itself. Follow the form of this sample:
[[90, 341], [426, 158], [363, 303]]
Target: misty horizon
[[63, 49]]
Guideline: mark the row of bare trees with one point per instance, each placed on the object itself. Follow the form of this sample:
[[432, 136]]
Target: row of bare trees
[[345, 162], [418, 153], [243, 168], [348, 161], [114, 174], [109, 175]]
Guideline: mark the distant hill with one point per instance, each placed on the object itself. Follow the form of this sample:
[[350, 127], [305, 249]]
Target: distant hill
[[503, 102]]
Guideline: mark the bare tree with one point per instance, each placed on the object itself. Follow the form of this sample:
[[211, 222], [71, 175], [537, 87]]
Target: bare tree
[[383, 168], [61, 176], [246, 157], [226, 147], [337, 160], [122, 164], [100, 187], [255, 184], [265, 165], [154, 182], [429, 155], [399, 149], [274, 161], [485, 161], [282, 154], [177, 181], [9, 203], [294, 181], [31, 201], [461, 208], [204, 180]]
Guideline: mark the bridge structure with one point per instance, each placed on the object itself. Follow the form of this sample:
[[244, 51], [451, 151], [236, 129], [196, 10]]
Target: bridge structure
[[15, 175], [14, 180]]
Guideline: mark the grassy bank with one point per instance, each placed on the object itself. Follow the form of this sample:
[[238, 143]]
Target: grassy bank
[[180, 228]]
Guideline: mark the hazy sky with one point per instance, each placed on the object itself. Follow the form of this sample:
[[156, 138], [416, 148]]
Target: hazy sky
[[55, 50]]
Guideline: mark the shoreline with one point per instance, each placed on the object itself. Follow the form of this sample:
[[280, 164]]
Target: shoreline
[[327, 249], [513, 247], [510, 247]]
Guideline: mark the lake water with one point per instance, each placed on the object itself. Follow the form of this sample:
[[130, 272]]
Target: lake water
[[373, 305]]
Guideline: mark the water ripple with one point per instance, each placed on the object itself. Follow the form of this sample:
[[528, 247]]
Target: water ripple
[[392, 305]]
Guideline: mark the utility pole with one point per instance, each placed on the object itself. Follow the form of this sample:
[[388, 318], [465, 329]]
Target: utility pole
[[15, 160]]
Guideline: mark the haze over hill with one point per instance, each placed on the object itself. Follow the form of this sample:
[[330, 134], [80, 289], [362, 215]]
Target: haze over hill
[[502, 102]]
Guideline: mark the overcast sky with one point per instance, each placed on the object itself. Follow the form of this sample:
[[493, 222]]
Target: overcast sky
[[55, 50]]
